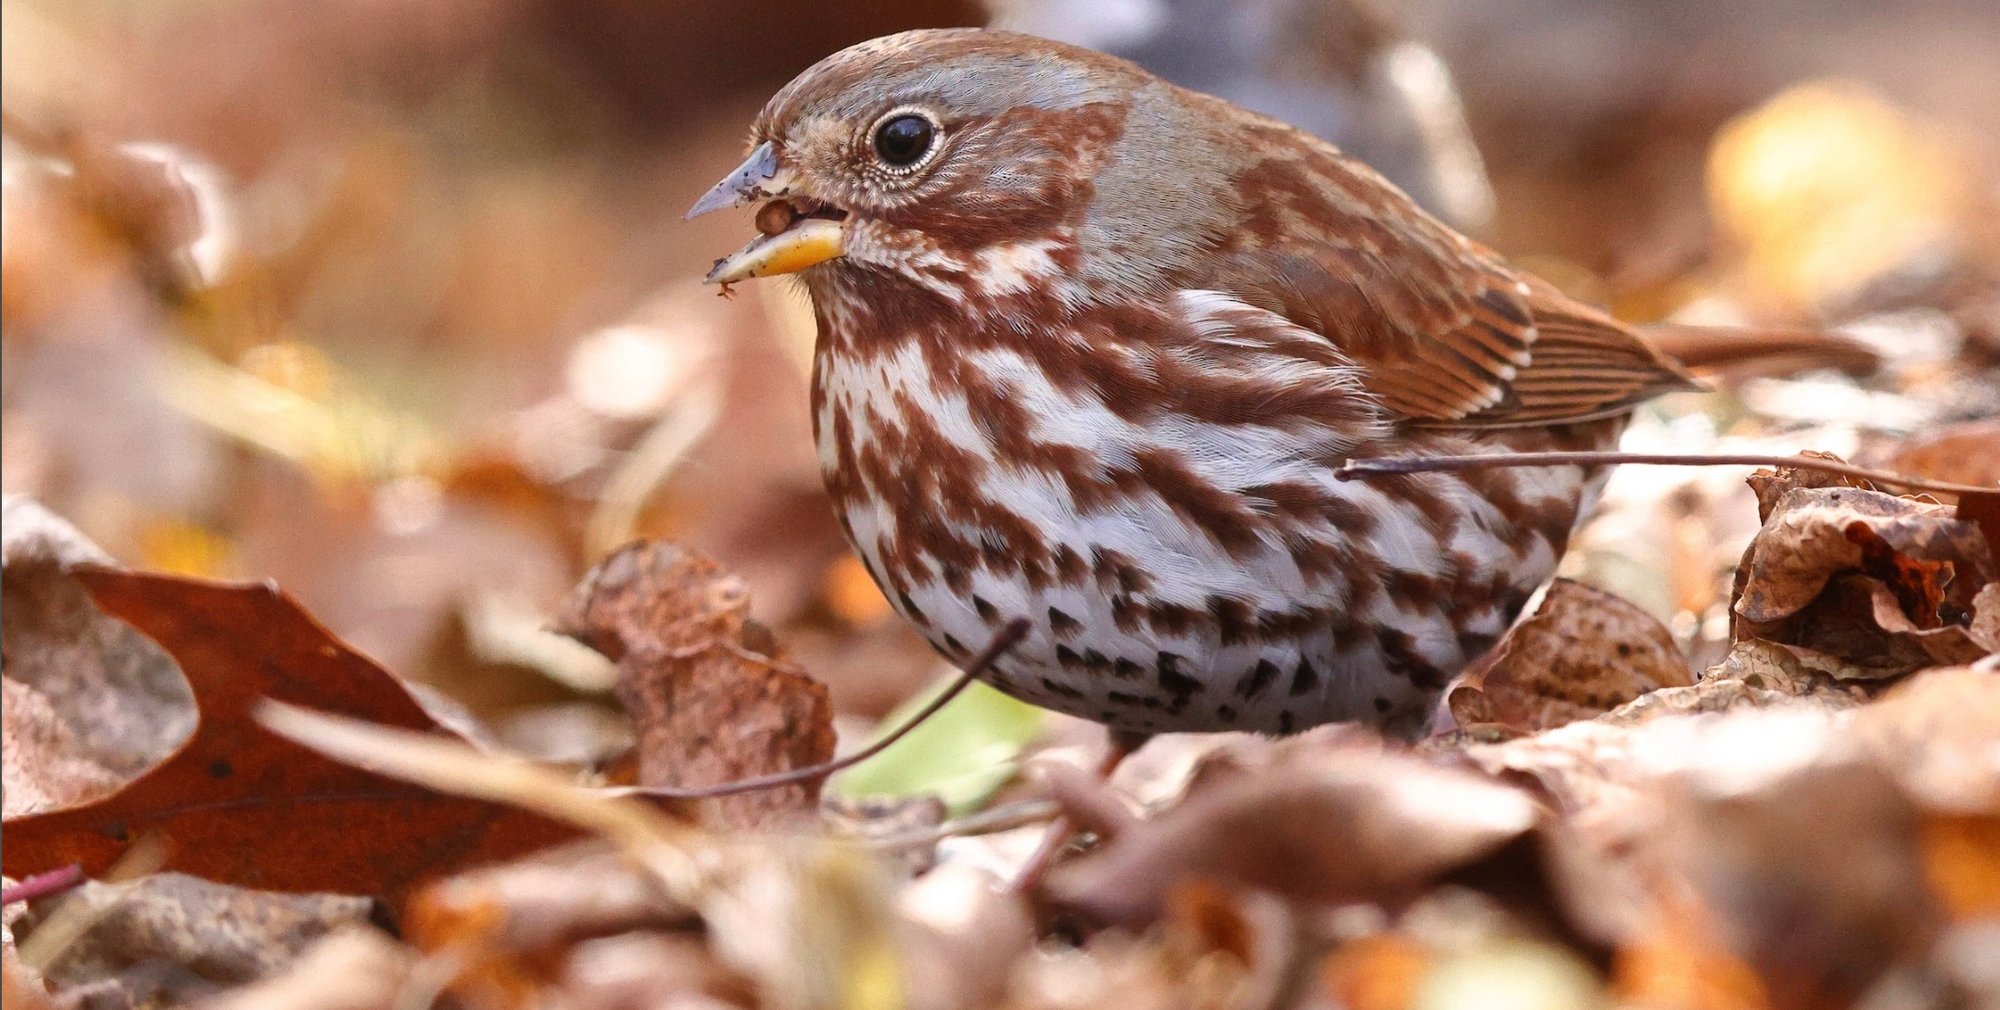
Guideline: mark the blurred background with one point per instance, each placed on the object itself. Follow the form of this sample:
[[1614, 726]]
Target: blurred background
[[392, 302]]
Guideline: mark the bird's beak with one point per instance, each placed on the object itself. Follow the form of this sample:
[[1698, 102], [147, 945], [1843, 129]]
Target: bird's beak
[[802, 241]]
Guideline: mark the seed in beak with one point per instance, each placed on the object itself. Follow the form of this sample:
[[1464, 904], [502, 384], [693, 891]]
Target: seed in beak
[[775, 217]]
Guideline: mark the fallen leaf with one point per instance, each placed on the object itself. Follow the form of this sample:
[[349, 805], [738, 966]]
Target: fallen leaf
[[89, 701], [168, 938], [1583, 652], [232, 788], [1771, 485], [1986, 617], [807, 919], [1771, 673], [1367, 827], [44, 765], [1815, 533], [1967, 452], [510, 926], [1983, 511], [709, 705], [354, 968], [1805, 855], [1605, 775], [1939, 733], [1882, 582], [962, 754]]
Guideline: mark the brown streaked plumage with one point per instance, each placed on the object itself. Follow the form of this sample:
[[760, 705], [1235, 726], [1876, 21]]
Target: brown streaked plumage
[[1091, 347]]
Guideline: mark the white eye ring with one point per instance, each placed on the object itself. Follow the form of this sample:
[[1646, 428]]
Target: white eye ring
[[933, 139]]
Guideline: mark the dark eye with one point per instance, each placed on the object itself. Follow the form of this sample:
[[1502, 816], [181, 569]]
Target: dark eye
[[903, 140]]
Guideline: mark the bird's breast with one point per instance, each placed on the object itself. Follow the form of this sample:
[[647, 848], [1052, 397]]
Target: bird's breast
[[1180, 567]]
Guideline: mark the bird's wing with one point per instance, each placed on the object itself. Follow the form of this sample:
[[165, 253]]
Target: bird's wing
[[1446, 332]]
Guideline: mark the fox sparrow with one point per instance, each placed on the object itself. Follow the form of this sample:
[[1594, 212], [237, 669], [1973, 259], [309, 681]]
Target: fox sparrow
[[1091, 347]]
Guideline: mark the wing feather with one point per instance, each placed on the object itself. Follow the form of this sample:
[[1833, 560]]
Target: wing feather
[[1446, 332]]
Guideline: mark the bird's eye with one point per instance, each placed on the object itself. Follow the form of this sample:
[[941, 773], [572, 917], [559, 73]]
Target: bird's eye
[[903, 140]]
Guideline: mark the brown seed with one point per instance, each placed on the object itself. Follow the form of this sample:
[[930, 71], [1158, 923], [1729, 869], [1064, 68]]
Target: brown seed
[[775, 217]]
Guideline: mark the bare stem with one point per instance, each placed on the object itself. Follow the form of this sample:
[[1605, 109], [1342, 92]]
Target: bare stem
[[1358, 468], [985, 822], [1008, 637], [42, 885]]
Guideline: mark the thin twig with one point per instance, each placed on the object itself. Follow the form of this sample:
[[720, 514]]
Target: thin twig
[[41, 885], [1008, 637], [1358, 468], [985, 822]]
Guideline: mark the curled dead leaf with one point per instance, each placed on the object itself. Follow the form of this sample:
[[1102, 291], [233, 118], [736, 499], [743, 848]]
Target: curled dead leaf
[[1882, 582], [1582, 653], [709, 704]]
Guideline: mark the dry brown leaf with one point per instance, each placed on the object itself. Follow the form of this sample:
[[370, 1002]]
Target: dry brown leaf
[[1818, 841], [1884, 583], [1806, 857], [233, 788], [1816, 533], [1967, 452], [1365, 827], [1771, 485], [1595, 769], [1939, 733], [168, 938], [1605, 776], [1584, 652], [1983, 511], [1986, 617], [511, 926], [44, 765], [89, 701], [1676, 962], [352, 968], [1773, 672], [708, 703]]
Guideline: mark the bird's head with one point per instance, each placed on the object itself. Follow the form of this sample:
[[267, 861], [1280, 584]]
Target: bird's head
[[921, 153]]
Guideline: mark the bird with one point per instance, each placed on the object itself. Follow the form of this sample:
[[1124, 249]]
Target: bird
[[1091, 350]]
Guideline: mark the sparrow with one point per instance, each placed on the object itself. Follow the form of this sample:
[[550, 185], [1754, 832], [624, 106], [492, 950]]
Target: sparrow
[[1091, 348]]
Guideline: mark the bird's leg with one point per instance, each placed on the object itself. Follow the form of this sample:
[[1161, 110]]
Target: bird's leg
[[1121, 745]]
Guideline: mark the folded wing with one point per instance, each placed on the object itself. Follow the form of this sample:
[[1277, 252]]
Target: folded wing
[[1447, 332]]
